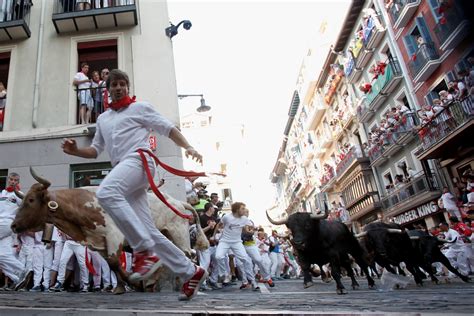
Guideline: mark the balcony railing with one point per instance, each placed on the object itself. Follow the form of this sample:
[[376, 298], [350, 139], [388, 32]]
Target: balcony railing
[[401, 11], [453, 117], [397, 136], [452, 28], [420, 183], [419, 63], [72, 16], [348, 159], [373, 32], [14, 20], [92, 100], [392, 71]]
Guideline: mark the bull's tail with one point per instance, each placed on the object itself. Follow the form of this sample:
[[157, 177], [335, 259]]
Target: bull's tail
[[201, 240]]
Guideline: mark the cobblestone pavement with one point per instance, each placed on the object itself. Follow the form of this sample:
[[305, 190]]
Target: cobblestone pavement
[[287, 297]]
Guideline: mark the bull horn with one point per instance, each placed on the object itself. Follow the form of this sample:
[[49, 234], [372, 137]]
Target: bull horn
[[319, 216], [274, 222], [394, 230], [19, 194], [414, 237], [360, 235], [43, 181]]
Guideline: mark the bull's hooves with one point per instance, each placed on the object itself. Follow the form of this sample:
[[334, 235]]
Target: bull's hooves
[[341, 291], [372, 287], [466, 280], [307, 285], [119, 290]]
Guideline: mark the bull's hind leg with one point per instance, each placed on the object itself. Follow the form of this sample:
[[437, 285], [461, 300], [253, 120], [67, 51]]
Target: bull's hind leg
[[365, 267], [448, 265], [350, 273], [121, 275], [336, 274]]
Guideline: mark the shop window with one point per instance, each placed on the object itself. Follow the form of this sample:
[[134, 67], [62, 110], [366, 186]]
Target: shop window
[[89, 174], [98, 55]]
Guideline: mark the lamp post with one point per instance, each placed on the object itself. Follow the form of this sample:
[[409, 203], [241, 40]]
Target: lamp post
[[203, 107]]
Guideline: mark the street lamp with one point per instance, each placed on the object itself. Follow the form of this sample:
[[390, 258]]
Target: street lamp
[[203, 107]]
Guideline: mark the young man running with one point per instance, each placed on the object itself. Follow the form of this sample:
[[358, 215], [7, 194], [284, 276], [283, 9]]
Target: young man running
[[122, 131]]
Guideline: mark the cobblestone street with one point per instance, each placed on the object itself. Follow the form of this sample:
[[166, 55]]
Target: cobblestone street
[[287, 297]]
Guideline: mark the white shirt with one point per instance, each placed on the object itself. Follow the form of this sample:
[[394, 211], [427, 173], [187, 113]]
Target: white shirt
[[451, 235], [9, 204], [26, 240], [58, 236], [448, 201], [123, 132], [81, 76], [233, 227]]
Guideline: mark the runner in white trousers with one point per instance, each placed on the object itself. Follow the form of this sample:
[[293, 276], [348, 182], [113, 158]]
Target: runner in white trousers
[[122, 130]]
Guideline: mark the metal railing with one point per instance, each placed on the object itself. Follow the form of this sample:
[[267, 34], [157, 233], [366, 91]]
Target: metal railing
[[409, 121], [446, 121], [93, 100], [397, 7], [425, 53], [392, 70], [453, 16], [420, 183], [15, 10], [349, 157], [66, 6]]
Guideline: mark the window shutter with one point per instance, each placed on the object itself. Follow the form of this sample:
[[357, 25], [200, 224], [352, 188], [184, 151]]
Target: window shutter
[[434, 6], [424, 31], [431, 96], [410, 44]]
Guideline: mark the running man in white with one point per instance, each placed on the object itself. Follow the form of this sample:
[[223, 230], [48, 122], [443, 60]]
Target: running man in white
[[122, 130]]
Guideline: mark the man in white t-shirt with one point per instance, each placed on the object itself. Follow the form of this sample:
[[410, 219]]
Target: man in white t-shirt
[[86, 103], [234, 224], [449, 203], [9, 203], [455, 249]]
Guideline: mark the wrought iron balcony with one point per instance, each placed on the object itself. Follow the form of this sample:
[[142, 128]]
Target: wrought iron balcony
[[452, 28], [453, 119], [373, 33], [424, 62], [364, 114], [15, 20], [384, 84], [68, 16], [401, 11], [422, 186]]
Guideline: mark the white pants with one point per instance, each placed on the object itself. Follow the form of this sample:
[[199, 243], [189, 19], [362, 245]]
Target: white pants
[[458, 259], [266, 261], [9, 264], [58, 249], [254, 254], [277, 262], [42, 261], [453, 212], [73, 248], [239, 253], [26, 257], [123, 195], [101, 268]]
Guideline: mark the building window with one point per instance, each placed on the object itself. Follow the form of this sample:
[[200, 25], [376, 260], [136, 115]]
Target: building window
[[4, 70], [434, 6], [3, 179], [224, 168], [388, 181], [99, 55], [89, 174]]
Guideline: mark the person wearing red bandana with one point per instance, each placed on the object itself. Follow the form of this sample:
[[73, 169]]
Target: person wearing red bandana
[[9, 203], [122, 130]]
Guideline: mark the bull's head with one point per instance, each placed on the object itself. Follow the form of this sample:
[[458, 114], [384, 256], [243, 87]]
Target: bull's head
[[301, 226], [33, 211]]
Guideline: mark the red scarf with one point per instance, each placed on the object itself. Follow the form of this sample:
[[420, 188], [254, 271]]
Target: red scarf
[[11, 188], [122, 103]]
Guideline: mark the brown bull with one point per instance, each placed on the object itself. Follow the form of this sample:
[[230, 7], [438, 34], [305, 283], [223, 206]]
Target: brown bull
[[80, 216]]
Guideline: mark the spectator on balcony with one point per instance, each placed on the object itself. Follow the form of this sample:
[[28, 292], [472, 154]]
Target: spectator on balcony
[[420, 41], [445, 97], [83, 5], [411, 174], [450, 203], [3, 96], [97, 95], [106, 100], [86, 103]]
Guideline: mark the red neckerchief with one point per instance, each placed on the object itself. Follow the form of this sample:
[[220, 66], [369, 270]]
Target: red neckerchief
[[122, 103], [12, 188]]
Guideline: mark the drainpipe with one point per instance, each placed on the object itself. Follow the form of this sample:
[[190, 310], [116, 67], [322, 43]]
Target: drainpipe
[[38, 66]]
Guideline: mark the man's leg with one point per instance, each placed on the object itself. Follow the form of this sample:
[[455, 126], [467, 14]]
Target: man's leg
[[80, 253], [221, 257], [241, 254], [169, 254], [66, 254], [37, 266]]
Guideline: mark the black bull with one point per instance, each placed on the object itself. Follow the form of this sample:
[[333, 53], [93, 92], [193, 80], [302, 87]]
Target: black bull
[[319, 241], [388, 245]]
